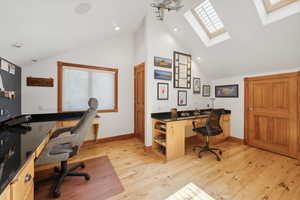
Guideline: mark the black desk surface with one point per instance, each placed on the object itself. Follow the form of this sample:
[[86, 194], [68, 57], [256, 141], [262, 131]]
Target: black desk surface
[[183, 115], [17, 144]]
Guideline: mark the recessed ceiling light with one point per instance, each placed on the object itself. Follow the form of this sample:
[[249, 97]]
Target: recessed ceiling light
[[17, 45], [175, 29], [199, 59], [117, 28], [83, 8]]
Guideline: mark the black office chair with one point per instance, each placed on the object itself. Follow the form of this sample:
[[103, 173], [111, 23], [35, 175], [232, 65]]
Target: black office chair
[[212, 128]]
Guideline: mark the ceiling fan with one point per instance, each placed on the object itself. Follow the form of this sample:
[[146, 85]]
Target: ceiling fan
[[166, 5]]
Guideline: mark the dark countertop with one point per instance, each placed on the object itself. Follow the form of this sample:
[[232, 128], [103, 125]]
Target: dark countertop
[[17, 143], [183, 115]]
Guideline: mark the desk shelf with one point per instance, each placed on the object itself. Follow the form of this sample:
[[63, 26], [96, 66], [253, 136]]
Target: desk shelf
[[160, 142], [175, 132], [159, 131], [168, 144]]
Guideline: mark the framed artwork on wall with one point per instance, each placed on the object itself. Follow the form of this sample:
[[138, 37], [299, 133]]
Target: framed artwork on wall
[[182, 98], [162, 62], [182, 70], [162, 75], [206, 91], [196, 86], [227, 91], [162, 91]]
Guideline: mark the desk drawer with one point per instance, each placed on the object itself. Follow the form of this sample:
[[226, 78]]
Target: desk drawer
[[22, 185]]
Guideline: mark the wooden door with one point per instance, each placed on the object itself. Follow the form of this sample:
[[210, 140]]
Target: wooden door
[[271, 113], [139, 101]]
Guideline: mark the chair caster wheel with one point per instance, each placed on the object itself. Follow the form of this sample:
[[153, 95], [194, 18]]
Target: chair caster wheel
[[56, 194], [82, 166], [218, 159], [220, 152], [87, 177]]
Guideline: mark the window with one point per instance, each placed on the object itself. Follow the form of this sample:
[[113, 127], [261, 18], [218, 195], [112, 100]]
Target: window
[[77, 83], [272, 5], [207, 24], [209, 19], [271, 11]]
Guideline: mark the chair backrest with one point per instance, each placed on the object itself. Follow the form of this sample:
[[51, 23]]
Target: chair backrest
[[84, 125], [213, 121]]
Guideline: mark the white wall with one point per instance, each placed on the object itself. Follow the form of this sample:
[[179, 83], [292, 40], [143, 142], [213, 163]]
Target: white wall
[[140, 44], [117, 52], [236, 105], [160, 42]]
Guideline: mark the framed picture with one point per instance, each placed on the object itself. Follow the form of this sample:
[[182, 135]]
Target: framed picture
[[4, 65], [162, 62], [182, 70], [162, 91], [162, 75], [227, 91], [196, 86], [182, 98], [206, 91]]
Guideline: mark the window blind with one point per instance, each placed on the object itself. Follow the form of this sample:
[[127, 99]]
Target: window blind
[[79, 84], [209, 17]]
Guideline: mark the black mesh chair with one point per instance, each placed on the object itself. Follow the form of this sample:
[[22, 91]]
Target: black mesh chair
[[211, 128]]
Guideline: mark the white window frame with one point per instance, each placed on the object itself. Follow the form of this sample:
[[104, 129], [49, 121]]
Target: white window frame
[[286, 10], [272, 7], [209, 40]]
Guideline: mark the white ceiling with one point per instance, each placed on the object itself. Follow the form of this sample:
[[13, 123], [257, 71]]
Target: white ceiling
[[48, 27], [253, 48]]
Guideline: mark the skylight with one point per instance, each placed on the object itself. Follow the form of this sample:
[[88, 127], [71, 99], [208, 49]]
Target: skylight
[[272, 5], [206, 23], [274, 1], [273, 10], [209, 19]]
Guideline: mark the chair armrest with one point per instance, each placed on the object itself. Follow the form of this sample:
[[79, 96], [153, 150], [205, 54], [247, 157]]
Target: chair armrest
[[61, 130], [62, 140]]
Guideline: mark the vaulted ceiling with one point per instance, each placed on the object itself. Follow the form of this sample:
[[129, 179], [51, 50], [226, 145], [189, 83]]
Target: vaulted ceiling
[[48, 27], [253, 48]]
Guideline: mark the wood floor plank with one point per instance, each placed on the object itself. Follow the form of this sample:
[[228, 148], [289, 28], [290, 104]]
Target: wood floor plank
[[245, 173]]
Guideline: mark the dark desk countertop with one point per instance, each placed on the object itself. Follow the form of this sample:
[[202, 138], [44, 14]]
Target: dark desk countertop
[[19, 142], [166, 116]]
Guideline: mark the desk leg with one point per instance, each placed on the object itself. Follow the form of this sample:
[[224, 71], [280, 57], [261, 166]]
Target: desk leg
[[96, 129]]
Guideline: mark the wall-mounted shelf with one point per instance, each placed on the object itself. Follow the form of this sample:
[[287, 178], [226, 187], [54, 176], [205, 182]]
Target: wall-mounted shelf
[[40, 82]]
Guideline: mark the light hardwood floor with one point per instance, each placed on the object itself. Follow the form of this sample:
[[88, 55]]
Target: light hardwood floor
[[244, 173]]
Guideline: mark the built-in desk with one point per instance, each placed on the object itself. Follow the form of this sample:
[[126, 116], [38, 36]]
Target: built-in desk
[[20, 146], [169, 133]]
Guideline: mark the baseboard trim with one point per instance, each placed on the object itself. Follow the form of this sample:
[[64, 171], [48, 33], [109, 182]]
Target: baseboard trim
[[109, 139], [148, 148], [235, 139]]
